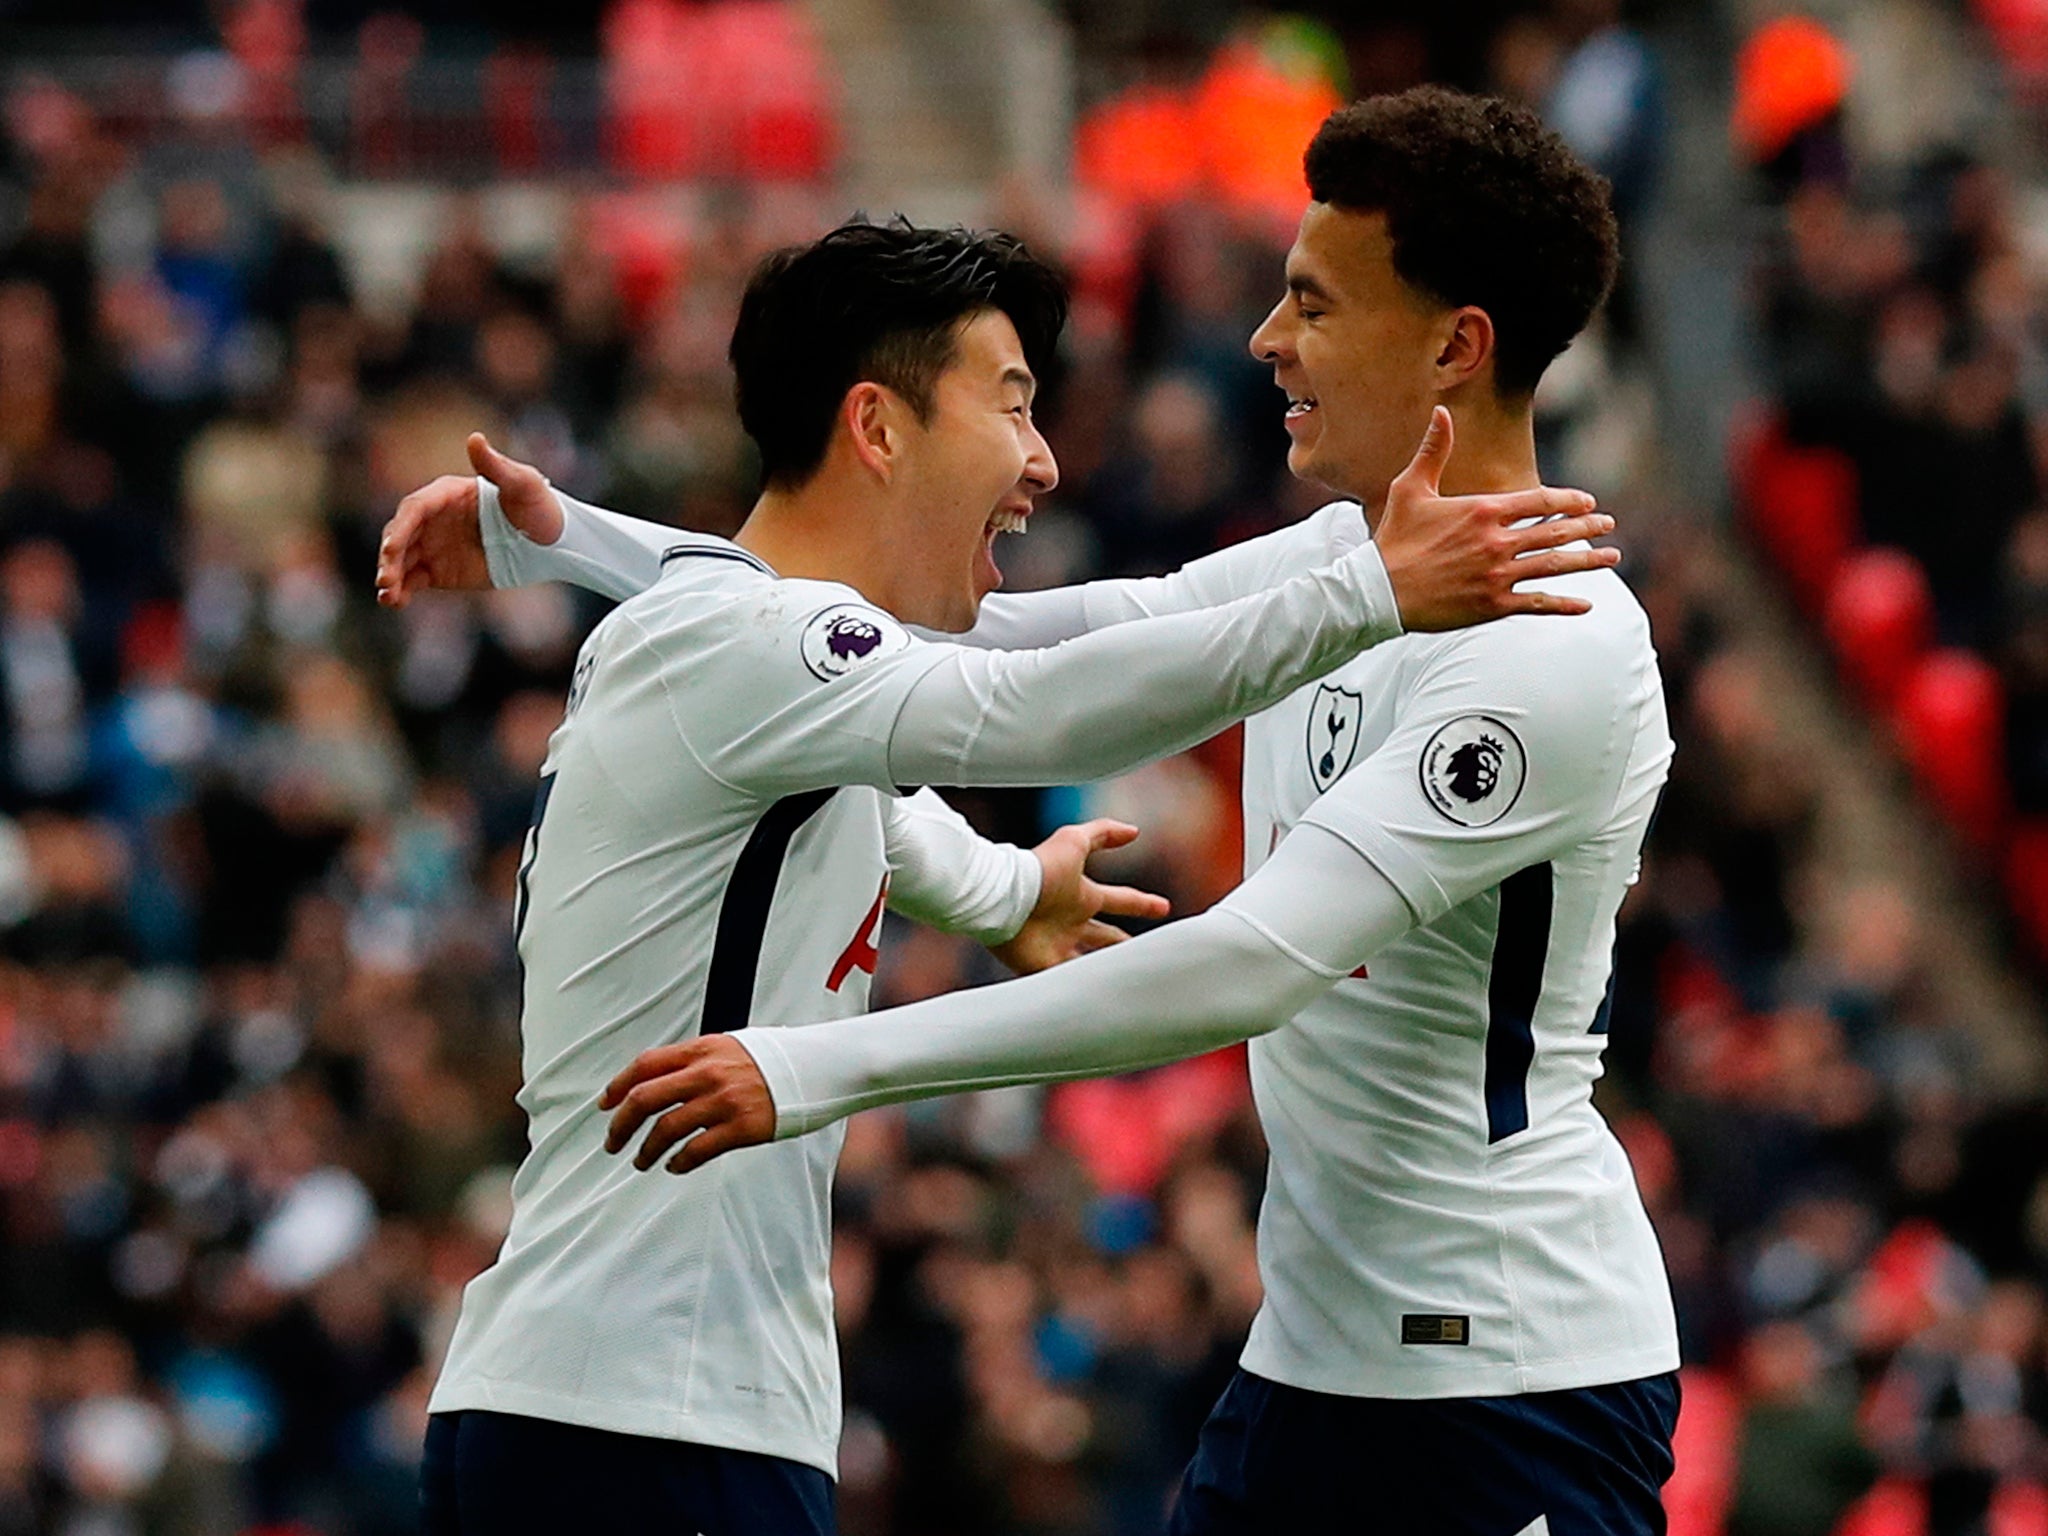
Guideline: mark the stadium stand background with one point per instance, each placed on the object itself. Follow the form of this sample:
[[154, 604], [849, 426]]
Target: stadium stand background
[[262, 265]]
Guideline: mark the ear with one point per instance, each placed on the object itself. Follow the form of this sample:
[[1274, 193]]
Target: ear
[[1467, 348], [871, 418]]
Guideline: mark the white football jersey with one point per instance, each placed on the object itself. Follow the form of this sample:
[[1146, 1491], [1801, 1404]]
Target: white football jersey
[[1446, 1214], [692, 866]]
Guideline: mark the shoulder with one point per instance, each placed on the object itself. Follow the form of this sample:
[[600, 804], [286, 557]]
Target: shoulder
[[1567, 691], [1333, 529], [729, 616], [1605, 650]]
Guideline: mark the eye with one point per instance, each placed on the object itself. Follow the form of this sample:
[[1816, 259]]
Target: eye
[[1307, 313]]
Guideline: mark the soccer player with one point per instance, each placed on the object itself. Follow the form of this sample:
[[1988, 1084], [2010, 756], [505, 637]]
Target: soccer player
[[1467, 1330], [719, 826]]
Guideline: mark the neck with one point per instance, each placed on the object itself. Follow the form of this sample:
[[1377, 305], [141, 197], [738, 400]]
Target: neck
[[1493, 449], [823, 530]]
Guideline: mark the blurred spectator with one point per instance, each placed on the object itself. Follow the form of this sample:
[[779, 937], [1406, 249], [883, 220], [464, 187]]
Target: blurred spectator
[[1803, 1463]]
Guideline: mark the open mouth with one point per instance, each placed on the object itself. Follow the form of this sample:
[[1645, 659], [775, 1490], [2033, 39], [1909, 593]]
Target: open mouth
[[1299, 406], [1008, 520]]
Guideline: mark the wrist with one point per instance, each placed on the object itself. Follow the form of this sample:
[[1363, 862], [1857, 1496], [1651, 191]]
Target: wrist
[[1382, 589], [778, 1075]]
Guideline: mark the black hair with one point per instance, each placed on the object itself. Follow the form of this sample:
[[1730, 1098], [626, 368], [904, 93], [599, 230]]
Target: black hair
[[1485, 206], [882, 303]]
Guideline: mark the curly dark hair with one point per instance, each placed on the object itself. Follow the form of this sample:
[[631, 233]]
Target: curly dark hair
[[874, 302], [1485, 206]]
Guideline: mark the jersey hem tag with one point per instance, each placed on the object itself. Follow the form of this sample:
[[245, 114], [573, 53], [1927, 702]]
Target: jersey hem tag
[[1435, 1328]]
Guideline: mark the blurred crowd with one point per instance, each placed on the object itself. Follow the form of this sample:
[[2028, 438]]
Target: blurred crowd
[[258, 1005]]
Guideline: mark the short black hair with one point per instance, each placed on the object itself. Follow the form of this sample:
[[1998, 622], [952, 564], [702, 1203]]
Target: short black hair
[[874, 302], [1485, 206]]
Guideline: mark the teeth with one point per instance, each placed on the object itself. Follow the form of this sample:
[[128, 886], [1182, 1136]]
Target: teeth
[[1007, 521], [1300, 407]]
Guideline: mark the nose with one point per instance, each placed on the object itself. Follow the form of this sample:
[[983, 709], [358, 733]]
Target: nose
[[1041, 469], [1268, 342]]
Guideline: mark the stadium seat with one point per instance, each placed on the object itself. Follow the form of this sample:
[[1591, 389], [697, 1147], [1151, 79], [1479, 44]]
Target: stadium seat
[[768, 71], [1899, 1507], [2026, 880], [517, 82], [653, 95], [1879, 621], [2019, 28], [1127, 1131], [1801, 505], [1709, 1437], [1951, 727], [1895, 1507]]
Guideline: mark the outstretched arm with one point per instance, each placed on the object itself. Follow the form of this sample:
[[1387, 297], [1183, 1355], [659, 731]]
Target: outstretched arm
[[1238, 970], [506, 526], [1578, 749], [1125, 695]]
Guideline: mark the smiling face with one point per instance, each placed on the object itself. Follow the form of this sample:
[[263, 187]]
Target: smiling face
[[969, 473], [1357, 350]]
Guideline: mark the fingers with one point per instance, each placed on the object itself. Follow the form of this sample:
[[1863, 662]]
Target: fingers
[[487, 461], [507, 474], [658, 1062], [1565, 562], [1105, 833], [1560, 530], [1543, 501], [698, 1111], [1128, 901], [395, 550], [699, 1150], [1544, 602], [1427, 467]]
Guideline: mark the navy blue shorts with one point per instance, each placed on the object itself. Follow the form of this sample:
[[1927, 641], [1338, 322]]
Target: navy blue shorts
[[499, 1474], [1590, 1462]]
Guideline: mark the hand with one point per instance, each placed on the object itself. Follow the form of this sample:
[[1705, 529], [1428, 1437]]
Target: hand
[[1455, 560], [709, 1085], [1065, 923], [435, 539]]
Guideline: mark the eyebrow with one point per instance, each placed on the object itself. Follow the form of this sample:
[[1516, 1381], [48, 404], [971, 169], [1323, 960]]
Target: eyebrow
[[1021, 377], [1302, 286]]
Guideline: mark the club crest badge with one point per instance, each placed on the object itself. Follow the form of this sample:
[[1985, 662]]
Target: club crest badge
[[846, 636], [1473, 769], [1333, 722]]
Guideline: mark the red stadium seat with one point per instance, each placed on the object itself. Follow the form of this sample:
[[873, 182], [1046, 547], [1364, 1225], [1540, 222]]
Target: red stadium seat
[[1801, 506], [1706, 1446], [782, 100], [1895, 1507], [1951, 726], [2018, 1509], [1879, 620], [516, 85], [2026, 880], [653, 89]]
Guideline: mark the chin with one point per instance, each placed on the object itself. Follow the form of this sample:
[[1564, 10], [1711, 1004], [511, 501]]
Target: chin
[[1302, 464], [957, 617]]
